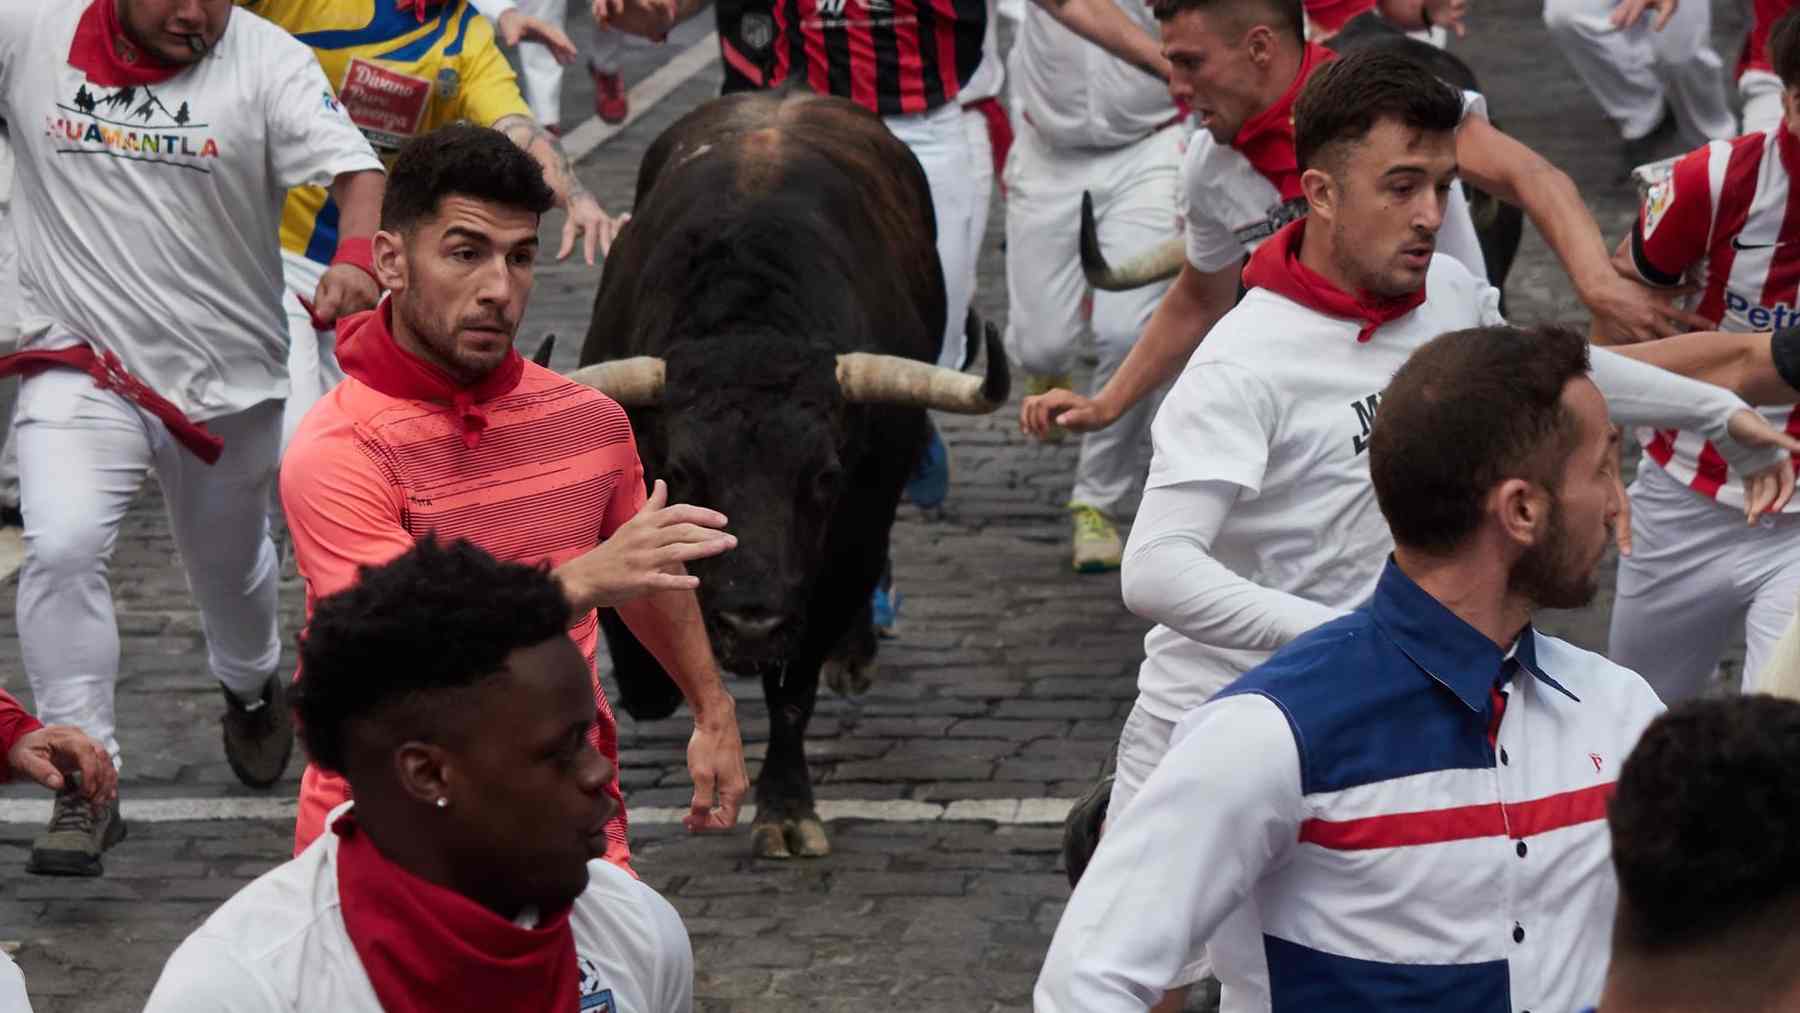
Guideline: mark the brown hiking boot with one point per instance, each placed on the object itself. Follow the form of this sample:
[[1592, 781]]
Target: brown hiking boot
[[78, 833], [259, 737]]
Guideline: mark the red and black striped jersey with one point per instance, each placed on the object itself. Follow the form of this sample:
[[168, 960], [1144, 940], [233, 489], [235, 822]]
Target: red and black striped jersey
[[892, 57]]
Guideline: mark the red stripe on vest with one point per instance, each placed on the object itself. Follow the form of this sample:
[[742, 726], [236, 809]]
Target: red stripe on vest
[[945, 30], [741, 63], [1661, 447], [1710, 471], [1461, 823], [912, 68], [1735, 197], [862, 64]]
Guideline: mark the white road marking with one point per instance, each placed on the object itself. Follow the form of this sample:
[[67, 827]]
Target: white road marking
[[644, 96], [1005, 811]]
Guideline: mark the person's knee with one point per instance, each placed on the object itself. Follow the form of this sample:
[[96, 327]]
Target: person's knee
[[65, 546], [1561, 19]]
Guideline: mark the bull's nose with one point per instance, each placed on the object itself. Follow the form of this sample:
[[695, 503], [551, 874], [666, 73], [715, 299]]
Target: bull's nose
[[751, 624]]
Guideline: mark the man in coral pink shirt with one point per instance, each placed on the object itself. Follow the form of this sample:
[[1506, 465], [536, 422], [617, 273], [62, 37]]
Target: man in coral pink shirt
[[441, 426]]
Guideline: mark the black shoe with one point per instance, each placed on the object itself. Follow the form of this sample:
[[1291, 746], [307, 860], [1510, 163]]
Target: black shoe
[[1081, 829], [259, 739], [78, 833]]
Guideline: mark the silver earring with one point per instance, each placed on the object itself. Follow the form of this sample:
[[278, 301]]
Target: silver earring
[[443, 803]]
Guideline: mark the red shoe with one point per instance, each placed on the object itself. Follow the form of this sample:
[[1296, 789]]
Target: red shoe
[[610, 103]]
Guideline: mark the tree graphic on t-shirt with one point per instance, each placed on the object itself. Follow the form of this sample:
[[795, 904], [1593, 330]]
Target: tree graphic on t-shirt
[[181, 115], [84, 100]]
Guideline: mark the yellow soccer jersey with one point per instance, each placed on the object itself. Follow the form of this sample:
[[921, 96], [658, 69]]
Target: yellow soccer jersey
[[397, 77]]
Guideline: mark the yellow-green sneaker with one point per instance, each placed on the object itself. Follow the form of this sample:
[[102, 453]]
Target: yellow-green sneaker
[[1043, 383], [1097, 545]]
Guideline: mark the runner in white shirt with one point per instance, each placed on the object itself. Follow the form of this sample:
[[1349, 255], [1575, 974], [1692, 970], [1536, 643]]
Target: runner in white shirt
[[146, 200], [1257, 523], [1089, 123], [1239, 63], [1405, 808], [1723, 218], [444, 686]]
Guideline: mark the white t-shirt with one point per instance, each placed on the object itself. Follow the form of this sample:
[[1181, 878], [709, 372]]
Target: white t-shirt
[[1230, 208], [147, 217], [1279, 400], [279, 944], [1077, 95]]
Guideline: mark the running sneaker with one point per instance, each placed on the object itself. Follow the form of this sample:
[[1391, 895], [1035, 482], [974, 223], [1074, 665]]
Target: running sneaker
[[259, 737], [930, 483], [79, 832], [1098, 547], [610, 101], [884, 606]]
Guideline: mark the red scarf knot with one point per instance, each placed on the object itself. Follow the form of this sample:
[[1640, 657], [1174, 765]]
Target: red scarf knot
[[429, 949], [101, 50], [1276, 266], [1267, 139], [367, 350]]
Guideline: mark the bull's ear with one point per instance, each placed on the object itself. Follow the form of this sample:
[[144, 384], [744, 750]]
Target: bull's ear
[[542, 355]]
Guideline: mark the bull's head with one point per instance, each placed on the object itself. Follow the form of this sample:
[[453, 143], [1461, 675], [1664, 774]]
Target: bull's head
[[768, 431]]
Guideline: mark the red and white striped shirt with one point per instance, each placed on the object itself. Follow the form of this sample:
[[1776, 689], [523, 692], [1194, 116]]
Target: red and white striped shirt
[[1728, 219]]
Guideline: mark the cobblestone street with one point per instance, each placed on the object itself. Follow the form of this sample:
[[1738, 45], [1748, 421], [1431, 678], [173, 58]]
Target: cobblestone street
[[1009, 681]]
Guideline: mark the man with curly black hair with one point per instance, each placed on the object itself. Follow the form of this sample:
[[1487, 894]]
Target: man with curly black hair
[[445, 688], [1706, 843], [441, 426]]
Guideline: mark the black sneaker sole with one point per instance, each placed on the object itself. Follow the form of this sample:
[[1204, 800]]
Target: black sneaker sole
[[75, 863]]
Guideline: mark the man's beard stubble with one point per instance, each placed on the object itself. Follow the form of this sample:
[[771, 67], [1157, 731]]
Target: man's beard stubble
[[1548, 576]]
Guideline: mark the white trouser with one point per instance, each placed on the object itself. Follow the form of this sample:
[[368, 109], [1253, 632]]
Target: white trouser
[[312, 354], [1135, 189], [1143, 742], [940, 142], [1695, 571], [1762, 101], [981, 185], [539, 73], [1633, 71], [9, 316], [83, 453]]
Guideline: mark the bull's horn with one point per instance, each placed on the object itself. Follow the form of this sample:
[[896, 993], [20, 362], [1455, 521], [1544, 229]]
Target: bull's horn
[[542, 355], [1156, 264], [892, 379], [634, 382]]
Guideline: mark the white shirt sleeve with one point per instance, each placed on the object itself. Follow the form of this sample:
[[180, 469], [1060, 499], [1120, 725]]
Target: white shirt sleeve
[[18, 22], [492, 9], [1221, 810], [12, 987], [674, 956], [204, 975], [311, 138], [1211, 245], [1170, 576], [1639, 394], [1216, 425]]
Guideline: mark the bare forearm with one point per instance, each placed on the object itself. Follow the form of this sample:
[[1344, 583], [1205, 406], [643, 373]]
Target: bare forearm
[[1187, 312], [559, 170], [1740, 363], [1520, 176], [1105, 25], [358, 198], [670, 627]]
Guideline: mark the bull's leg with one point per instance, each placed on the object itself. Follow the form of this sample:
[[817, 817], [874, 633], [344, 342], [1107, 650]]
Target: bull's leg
[[786, 824], [851, 666]]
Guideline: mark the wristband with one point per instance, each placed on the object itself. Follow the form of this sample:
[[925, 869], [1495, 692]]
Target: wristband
[[358, 252]]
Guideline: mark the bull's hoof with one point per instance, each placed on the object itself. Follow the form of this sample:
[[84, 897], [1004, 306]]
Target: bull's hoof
[[847, 677], [806, 837], [768, 840]]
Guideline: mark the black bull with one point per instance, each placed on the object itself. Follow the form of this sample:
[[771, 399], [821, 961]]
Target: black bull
[[769, 319], [1498, 226]]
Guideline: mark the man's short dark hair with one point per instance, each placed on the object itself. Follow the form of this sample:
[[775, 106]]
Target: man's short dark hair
[[1285, 16], [1344, 99], [1784, 48], [437, 618], [1706, 828], [1468, 410], [463, 161]]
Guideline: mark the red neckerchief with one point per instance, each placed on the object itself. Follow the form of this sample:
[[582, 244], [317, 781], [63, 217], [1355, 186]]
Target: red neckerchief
[[109, 59], [109, 374], [367, 350], [1332, 15], [427, 949], [1267, 139], [1276, 266]]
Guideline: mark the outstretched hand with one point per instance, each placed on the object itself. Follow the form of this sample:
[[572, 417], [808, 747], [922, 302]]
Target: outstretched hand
[[49, 754], [646, 555], [1040, 414], [1628, 12], [516, 28]]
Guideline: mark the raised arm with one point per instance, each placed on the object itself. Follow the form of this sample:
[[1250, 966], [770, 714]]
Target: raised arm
[[1105, 25], [585, 216], [1518, 175]]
